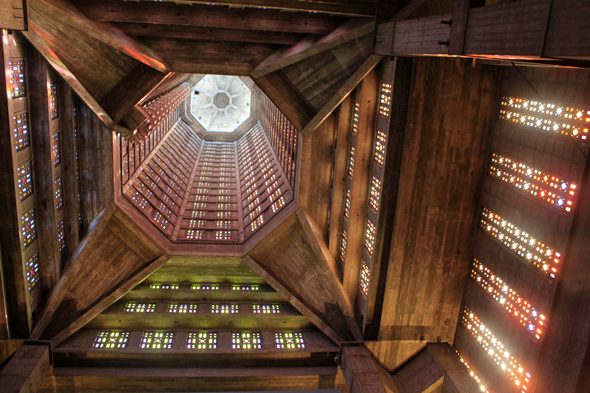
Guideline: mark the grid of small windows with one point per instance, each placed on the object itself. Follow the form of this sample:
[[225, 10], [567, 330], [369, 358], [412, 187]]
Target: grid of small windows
[[201, 340], [165, 287], [343, 242], [28, 228], [111, 339], [16, 73], [205, 287], [266, 308], [61, 235], [140, 307], [282, 138], [494, 349], [20, 131], [59, 202], [139, 200], [561, 119], [375, 194], [215, 182], [222, 235], [517, 307], [55, 149], [356, 117], [156, 340], [278, 204], [25, 180], [365, 279], [289, 340], [158, 180], [194, 234], [551, 189], [385, 100], [53, 101], [246, 340], [245, 287], [380, 142], [532, 250], [256, 223], [33, 274], [351, 155], [225, 308], [472, 373], [347, 203], [370, 231], [182, 308]]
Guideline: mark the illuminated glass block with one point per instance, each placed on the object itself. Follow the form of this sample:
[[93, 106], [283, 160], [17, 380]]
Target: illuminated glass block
[[351, 155], [370, 232], [16, 74], [258, 221], [59, 202], [266, 309], [365, 279], [515, 239], [385, 100], [560, 119], [32, 268], [343, 245], [246, 340], [245, 287], [380, 143], [201, 340], [25, 180], [347, 204], [356, 117], [196, 213], [472, 373], [225, 308], [20, 131], [515, 305], [551, 189], [289, 340], [375, 194], [194, 234], [204, 287], [222, 235], [111, 339], [495, 350], [182, 308], [61, 235], [140, 307], [28, 228], [278, 205], [55, 149], [156, 340]]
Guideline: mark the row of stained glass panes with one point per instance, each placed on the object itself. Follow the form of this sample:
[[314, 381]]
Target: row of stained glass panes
[[197, 340], [544, 187], [375, 187], [205, 287], [191, 308]]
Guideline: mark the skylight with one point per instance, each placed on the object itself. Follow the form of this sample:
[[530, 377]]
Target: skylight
[[221, 103]]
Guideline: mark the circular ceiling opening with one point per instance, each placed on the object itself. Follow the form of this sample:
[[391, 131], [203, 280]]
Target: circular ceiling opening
[[221, 103]]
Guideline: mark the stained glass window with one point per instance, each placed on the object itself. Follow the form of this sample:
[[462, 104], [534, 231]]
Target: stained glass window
[[289, 340], [246, 340], [201, 340], [156, 340], [111, 339]]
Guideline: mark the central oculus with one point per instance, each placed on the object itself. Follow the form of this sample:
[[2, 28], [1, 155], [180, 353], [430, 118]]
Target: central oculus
[[221, 103]]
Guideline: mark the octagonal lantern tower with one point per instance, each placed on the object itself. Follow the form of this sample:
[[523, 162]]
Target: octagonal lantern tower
[[221, 103]]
